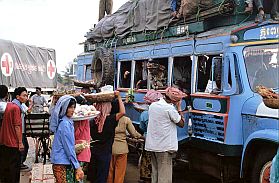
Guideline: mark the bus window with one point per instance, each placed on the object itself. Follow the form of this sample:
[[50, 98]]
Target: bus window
[[87, 74], [262, 66], [204, 78], [125, 74], [141, 75], [182, 67], [158, 73]]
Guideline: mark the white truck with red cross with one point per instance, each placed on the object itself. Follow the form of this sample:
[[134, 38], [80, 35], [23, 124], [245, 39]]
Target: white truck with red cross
[[27, 66]]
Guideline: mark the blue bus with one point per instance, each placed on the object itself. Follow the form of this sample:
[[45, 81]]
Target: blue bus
[[230, 135]]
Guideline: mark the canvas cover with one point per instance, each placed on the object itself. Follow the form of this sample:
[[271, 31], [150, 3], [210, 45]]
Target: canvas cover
[[190, 7], [28, 66], [133, 16]]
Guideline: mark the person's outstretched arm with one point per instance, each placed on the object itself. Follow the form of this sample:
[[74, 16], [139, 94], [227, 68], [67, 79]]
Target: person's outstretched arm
[[121, 106]]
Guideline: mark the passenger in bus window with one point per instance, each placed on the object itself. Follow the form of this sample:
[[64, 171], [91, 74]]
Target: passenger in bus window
[[158, 78], [204, 66], [125, 74], [126, 80], [266, 74], [142, 72], [214, 87], [182, 74], [217, 89]]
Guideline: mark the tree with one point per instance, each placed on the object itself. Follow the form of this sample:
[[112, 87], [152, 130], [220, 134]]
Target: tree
[[67, 76], [60, 78]]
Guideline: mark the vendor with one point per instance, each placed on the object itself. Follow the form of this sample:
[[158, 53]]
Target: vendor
[[82, 137], [66, 167], [38, 101]]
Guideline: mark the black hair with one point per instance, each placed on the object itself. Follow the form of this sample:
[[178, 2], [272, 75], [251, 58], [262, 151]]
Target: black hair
[[167, 98], [19, 90], [38, 88], [80, 100], [72, 102], [3, 91], [114, 107]]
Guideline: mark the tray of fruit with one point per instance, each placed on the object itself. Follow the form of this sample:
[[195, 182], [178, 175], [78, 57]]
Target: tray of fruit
[[83, 112]]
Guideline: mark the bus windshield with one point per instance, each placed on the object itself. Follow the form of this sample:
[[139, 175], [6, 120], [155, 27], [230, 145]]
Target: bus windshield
[[262, 66]]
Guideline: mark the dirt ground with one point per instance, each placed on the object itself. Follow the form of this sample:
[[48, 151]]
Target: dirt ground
[[181, 174]]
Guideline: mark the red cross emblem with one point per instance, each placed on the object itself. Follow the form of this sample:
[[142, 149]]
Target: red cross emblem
[[7, 64], [51, 69]]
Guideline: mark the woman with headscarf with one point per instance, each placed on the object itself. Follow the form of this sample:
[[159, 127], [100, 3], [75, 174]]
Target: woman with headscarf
[[102, 131], [82, 137], [145, 160], [66, 168]]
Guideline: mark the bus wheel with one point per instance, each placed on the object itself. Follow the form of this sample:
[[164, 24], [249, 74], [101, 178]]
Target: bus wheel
[[261, 168]]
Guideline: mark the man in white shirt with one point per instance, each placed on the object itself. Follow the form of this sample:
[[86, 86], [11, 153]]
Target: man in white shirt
[[161, 138], [38, 101]]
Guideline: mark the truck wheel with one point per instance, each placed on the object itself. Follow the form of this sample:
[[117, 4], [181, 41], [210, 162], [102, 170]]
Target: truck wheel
[[261, 168], [103, 67]]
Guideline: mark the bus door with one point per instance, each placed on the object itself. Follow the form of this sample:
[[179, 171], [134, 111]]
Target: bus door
[[217, 81]]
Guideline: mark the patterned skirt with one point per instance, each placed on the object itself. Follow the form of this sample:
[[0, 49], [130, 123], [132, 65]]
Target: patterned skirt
[[64, 174], [145, 166]]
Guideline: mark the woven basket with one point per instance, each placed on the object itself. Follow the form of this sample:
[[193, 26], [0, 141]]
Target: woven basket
[[100, 97], [58, 95], [83, 84], [272, 103]]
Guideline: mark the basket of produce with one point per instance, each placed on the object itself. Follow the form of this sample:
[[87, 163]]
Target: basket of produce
[[59, 94], [270, 98], [272, 103], [84, 84], [83, 112], [66, 92], [100, 97]]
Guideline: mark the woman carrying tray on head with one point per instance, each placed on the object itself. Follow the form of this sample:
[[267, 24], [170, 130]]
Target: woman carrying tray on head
[[102, 130], [82, 137], [66, 168]]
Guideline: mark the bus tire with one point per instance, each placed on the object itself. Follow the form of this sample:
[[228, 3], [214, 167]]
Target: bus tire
[[103, 67], [261, 168]]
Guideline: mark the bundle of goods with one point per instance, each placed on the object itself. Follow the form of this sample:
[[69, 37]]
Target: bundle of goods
[[100, 97], [90, 83], [66, 92], [270, 98], [42, 173], [83, 112], [79, 147]]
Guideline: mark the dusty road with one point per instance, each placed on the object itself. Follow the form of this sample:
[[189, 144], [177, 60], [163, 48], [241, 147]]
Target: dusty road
[[180, 173]]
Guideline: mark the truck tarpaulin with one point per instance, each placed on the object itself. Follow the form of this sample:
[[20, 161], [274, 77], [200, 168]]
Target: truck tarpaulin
[[28, 66]]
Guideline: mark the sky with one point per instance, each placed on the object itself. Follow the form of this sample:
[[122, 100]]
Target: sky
[[57, 24]]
